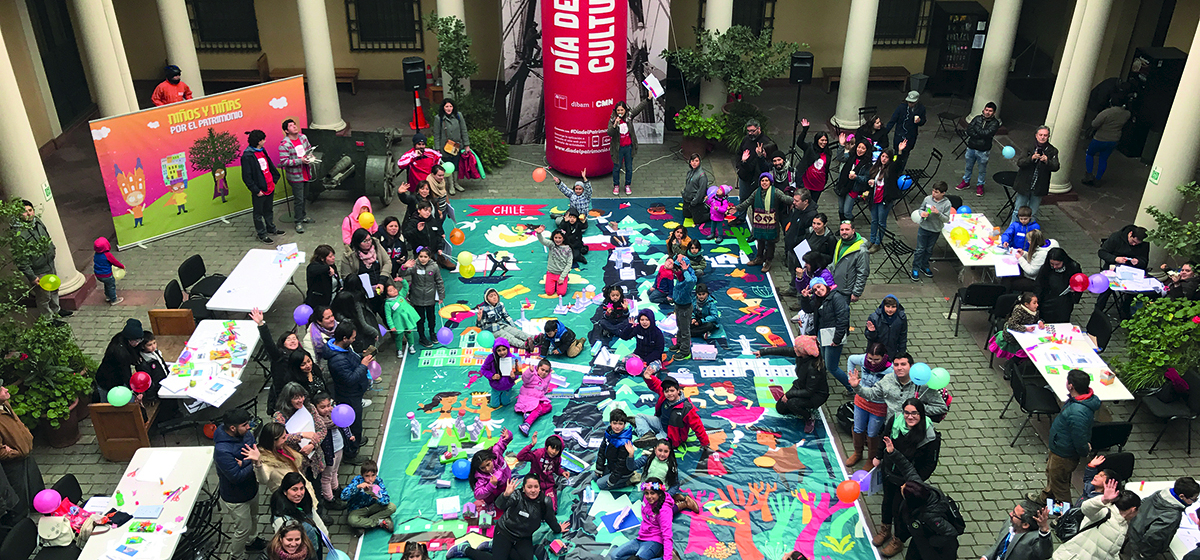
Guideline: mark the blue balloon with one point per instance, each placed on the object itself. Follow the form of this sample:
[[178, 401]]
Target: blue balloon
[[920, 373], [461, 469], [904, 182], [964, 209], [1009, 152]]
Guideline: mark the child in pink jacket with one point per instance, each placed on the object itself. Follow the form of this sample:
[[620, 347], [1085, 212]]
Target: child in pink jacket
[[490, 473], [718, 205], [350, 223], [546, 464], [655, 537], [532, 400]]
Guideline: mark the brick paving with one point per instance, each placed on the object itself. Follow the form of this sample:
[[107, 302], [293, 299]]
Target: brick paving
[[977, 466]]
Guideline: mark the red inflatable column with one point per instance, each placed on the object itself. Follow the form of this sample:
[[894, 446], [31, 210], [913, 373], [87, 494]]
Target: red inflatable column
[[583, 54]]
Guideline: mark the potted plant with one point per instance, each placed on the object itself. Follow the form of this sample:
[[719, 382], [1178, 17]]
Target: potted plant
[[738, 58], [454, 52], [1164, 333], [48, 371], [698, 130]]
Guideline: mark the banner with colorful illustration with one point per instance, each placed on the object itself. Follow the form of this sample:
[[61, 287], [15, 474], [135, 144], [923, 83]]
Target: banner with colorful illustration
[[176, 167]]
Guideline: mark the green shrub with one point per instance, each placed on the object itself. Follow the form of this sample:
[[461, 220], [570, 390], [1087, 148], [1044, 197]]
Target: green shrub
[[735, 124], [1175, 236], [477, 110], [1164, 333], [488, 143]]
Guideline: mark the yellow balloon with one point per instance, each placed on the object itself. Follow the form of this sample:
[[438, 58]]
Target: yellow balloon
[[366, 220], [465, 258], [959, 235], [49, 282], [119, 273], [467, 271]]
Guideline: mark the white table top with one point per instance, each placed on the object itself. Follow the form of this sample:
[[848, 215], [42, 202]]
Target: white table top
[[1189, 533], [203, 341], [981, 230], [191, 465], [255, 282], [1074, 351]]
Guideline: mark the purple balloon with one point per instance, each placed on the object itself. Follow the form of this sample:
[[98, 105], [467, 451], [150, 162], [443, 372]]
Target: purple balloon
[[375, 370], [860, 476], [445, 335], [343, 416], [382, 331], [1097, 283], [302, 314]]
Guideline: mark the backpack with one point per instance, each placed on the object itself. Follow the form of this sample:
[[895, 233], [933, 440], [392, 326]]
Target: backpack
[[845, 417], [1069, 526], [946, 396], [954, 516]]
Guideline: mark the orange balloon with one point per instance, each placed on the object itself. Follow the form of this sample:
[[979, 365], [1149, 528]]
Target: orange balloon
[[848, 491], [457, 236], [539, 174]]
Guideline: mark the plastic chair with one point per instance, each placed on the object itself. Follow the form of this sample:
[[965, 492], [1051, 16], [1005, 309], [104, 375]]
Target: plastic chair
[[1184, 407], [976, 297], [174, 298], [68, 487], [20, 542], [192, 275], [956, 201], [1033, 397]]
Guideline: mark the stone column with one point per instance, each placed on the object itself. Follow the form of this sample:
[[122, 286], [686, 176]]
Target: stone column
[[114, 30], [446, 8], [181, 47], [1065, 134], [856, 62], [997, 55], [1175, 162], [1064, 65], [22, 174], [718, 16], [318, 66], [100, 56]]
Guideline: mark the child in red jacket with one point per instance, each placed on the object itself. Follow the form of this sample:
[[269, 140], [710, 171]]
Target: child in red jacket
[[673, 416]]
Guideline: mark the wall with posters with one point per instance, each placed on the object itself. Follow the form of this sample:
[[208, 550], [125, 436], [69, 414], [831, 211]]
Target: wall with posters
[[176, 167]]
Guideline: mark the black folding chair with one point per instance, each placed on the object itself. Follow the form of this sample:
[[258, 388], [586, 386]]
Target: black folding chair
[[976, 297], [948, 118], [1032, 396], [956, 201], [1109, 434], [961, 149], [867, 112], [68, 487], [1181, 407], [897, 252], [1099, 328], [174, 298], [921, 176], [204, 535], [192, 276], [999, 313]]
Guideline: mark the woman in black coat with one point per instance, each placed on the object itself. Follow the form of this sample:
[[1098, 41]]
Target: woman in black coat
[[120, 357], [351, 305], [875, 131], [910, 449], [882, 191], [525, 509], [323, 281], [279, 353], [853, 177], [1056, 299], [303, 369], [810, 390]]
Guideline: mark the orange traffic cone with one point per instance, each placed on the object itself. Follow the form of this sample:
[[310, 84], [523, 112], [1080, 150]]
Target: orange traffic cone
[[418, 119]]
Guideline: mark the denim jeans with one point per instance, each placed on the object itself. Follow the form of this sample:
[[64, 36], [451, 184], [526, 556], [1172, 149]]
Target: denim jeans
[[879, 216], [611, 482], [925, 241], [846, 207], [501, 398], [745, 190], [299, 192], [110, 288], [646, 550], [865, 422], [973, 156], [1032, 201], [833, 357], [1101, 150], [646, 423], [624, 157]]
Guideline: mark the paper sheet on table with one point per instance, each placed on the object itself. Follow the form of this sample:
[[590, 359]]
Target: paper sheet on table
[[98, 504], [214, 391], [802, 249], [1130, 273], [174, 385], [1007, 266], [158, 466], [1141, 285], [653, 86]]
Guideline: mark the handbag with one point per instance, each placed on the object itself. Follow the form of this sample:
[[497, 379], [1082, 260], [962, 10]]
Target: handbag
[[1069, 526], [451, 147], [55, 531]]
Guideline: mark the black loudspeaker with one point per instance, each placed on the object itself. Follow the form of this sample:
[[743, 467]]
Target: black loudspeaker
[[414, 73], [802, 68]]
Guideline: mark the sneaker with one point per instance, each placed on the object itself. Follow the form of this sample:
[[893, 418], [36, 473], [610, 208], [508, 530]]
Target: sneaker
[[399, 351], [365, 404], [927, 272], [299, 227], [307, 220], [116, 301], [265, 239], [616, 189], [766, 266], [916, 275], [628, 189], [646, 441], [524, 427], [681, 356], [355, 460], [1035, 497], [485, 547], [810, 426], [336, 504], [64, 313], [256, 545], [424, 342], [1088, 179], [278, 231], [789, 291], [978, 190], [961, 185], [875, 248], [457, 551], [412, 349]]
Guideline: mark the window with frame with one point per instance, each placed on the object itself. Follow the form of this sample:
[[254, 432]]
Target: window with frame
[[758, 15], [385, 25], [903, 23], [224, 25]]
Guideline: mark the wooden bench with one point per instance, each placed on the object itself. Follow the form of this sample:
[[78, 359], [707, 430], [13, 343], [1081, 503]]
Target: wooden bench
[[341, 75], [260, 73], [122, 430], [896, 74]]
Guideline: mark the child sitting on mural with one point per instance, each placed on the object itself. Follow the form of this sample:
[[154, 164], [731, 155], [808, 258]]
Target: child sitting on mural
[[558, 340], [491, 316], [650, 341], [490, 473], [655, 538], [559, 261], [660, 463], [532, 401], [400, 316], [426, 290], [579, 196], [573, 225], [500, 369], [674, 415], [678, 241], [612, 461], [696, 259], [545, 464], [705, 315], [611, 316], [664, 284], [367, 499]]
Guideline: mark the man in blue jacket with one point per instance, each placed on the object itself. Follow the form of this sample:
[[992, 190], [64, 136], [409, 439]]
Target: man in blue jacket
[[1070, 437], [236, 482], [350, 381], [906, 120]]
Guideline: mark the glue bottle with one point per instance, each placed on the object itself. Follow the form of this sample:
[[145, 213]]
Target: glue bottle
[[120, 499]]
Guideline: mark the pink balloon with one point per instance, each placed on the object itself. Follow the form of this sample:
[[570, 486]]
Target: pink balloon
[[375, 369], [47, 501], [634, 365]]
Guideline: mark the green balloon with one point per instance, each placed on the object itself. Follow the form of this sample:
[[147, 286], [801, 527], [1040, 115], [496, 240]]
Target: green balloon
[[939, 379], [485, 339], [119, 396]]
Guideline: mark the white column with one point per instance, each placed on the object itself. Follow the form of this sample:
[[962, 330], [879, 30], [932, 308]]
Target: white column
[[718, 16], [181, 47], [997, 54], [318, 66], [1175, 162], [1065, 134], [100, 56], [22, 174], [447, 8], [1064, 65], [39, 71], [856, 62], [110, 14]]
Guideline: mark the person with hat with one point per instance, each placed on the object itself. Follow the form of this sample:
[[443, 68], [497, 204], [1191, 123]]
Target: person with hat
[[762, 204], [579, 196], [20, 477], [830, 323], [419, 161], [297, 158], [120, 358], [810, 390], [172, 89], [905, 122]]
